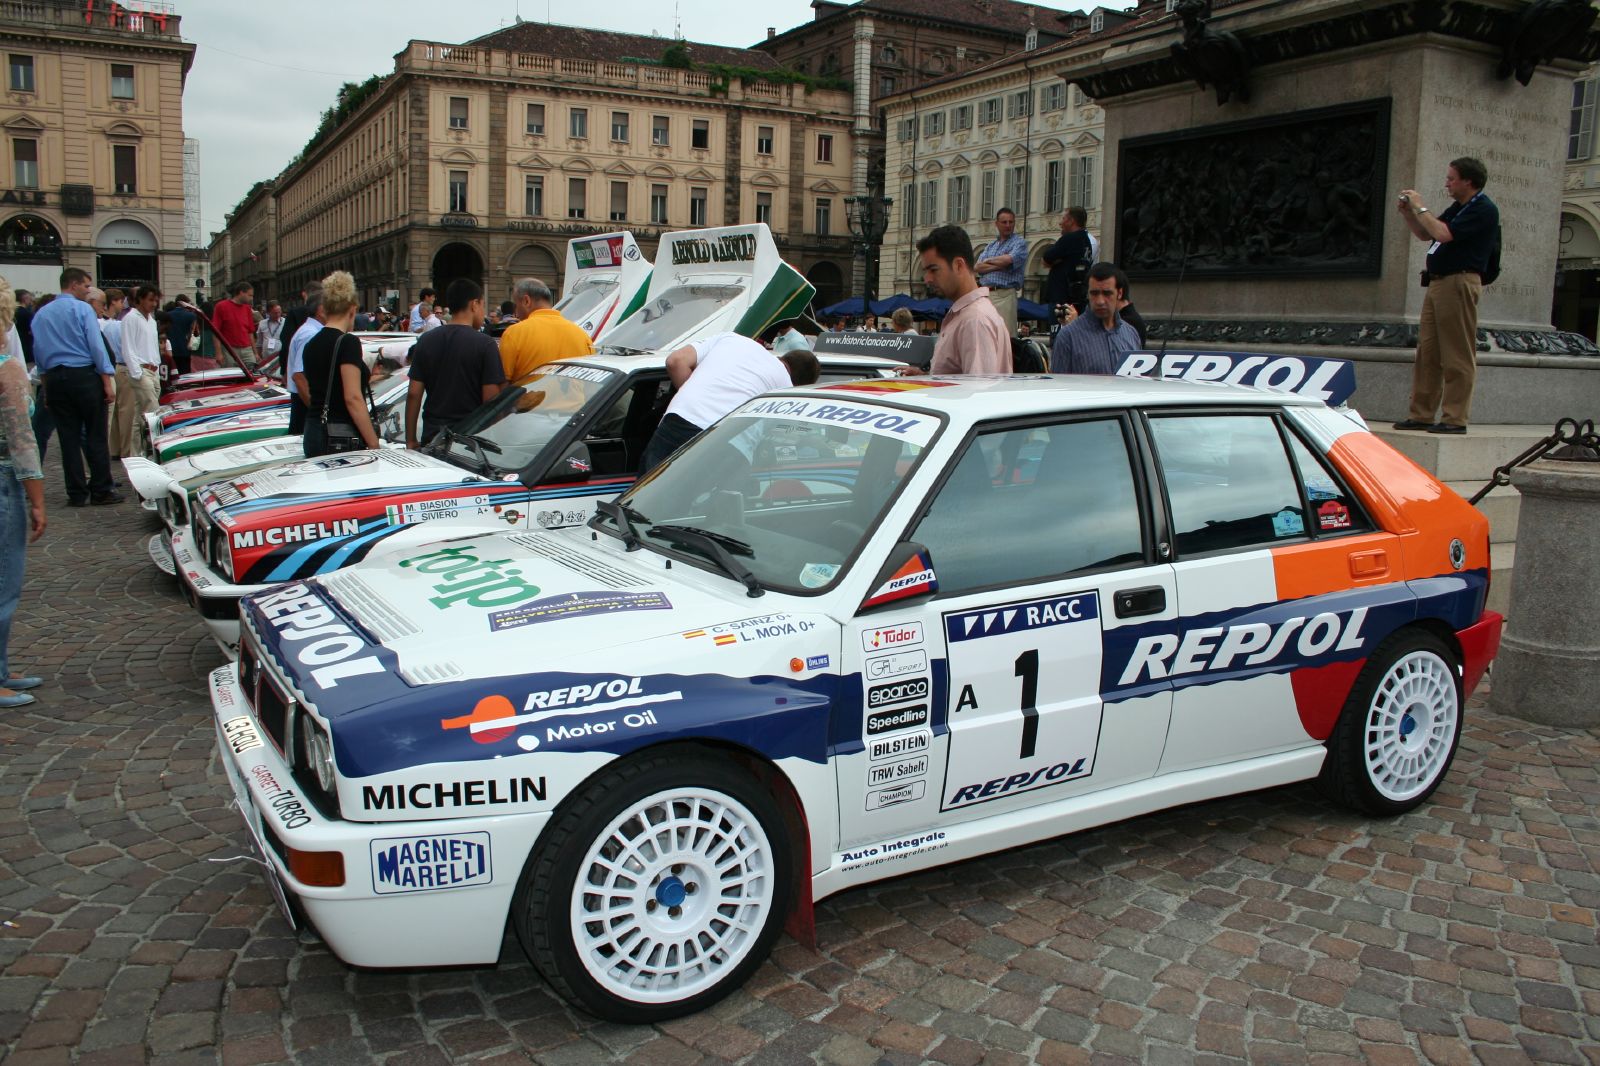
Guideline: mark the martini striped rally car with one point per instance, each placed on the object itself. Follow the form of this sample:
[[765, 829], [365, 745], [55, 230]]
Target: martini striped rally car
[[849, 632]]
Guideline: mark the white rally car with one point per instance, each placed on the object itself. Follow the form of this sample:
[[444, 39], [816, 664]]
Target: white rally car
[[848, 633], [608, 279]]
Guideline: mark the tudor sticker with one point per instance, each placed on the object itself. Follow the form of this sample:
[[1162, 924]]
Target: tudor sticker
[[894, 665], [429, 863], [1024, 701], [888, 638]]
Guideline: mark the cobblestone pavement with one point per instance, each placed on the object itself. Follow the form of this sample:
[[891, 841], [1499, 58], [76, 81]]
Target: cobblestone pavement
[[1273, 927]]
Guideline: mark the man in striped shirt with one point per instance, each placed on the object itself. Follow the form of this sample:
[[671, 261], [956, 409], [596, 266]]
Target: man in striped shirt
[[1097, 342]]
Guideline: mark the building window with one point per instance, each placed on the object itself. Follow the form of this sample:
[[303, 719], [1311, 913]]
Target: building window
[[1031, 41], [908, 204], [1053, 97], [25, 164], [887, 54], [458, 112], [125, 168], [619, 201], [1097, 22], [989, 111], [960, 198], [1080, 181], [697, 207], [536, 119], [533, 196], [658, 205], [933, 124], [824, 147], [1019, 105], [660, 130], [1052, 186], [764, 207], [961, 118], [458, 192], [22, 74], [700, 134], [1580, 138], [1017, 189], [824, 215], [1079, 97], [929, 198], [885, 85], [987, 204], [577, 195], [122, 81], [619, 126], [763, 140], [578, 125], [908, 130]]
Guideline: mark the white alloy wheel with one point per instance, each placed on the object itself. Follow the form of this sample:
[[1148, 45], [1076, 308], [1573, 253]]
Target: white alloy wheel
[[1411, 725], [672, 895]]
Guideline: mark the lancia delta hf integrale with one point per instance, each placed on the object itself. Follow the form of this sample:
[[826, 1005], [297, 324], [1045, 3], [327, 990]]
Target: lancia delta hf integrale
[[848, 633]]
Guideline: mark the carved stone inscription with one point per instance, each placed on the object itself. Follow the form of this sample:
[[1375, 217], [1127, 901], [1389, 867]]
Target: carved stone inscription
[[1300, 195]]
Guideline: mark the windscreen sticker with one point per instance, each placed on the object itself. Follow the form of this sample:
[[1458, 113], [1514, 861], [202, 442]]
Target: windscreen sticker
[[1288, 523], [917, 429], [816, 575], [1333, 515], [576, 605], [582, 373]]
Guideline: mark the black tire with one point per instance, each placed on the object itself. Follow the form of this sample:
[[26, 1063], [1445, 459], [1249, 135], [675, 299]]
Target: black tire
[[1399, 729], [577, 956]]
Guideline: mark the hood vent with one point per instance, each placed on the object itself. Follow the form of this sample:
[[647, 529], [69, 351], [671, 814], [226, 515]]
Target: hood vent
[[578, 562], [396, 457], [378, 616], [431, 673]]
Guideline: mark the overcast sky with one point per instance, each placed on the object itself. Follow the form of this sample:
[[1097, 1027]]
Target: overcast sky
[[263, 74]]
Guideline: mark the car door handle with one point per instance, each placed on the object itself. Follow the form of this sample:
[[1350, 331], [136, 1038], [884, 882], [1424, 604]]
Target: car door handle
[[1131, 603], [1369, 564]]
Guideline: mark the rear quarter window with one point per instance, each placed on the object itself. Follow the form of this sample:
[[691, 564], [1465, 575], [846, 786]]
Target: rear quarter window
[[1229, 482]]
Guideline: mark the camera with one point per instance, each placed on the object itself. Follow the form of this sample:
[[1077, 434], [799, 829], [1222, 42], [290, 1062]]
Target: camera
[[1405, 201], [1063, 310]]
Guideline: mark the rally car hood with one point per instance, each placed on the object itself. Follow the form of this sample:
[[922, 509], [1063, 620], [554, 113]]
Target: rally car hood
[[262, 394], [427, 629], [152, 481], [264, 416], [606, 280], [270, 495]]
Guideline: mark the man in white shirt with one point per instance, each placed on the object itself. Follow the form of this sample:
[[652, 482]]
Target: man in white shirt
[[1094, 249], [269, 333], [138, 369], [421, 311], [715, 375], [294, 365]]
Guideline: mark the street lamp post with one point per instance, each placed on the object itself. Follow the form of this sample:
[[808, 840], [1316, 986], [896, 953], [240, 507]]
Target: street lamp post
[[868, 218]]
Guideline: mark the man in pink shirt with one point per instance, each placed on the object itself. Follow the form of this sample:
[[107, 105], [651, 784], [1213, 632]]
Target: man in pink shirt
[[236, 325], [973, 338]]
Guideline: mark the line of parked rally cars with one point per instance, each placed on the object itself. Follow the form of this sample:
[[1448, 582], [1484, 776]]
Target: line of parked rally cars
[[854, 630]]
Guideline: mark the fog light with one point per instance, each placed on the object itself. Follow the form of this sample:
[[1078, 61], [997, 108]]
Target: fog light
[[321, 869]]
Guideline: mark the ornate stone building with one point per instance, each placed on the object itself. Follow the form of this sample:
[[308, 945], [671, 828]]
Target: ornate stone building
[[92, 122], [482, 159], [249, 250], [1577, 289], [1010, 134]]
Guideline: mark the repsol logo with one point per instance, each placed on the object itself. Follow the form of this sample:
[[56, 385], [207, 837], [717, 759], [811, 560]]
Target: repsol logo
[[1018, 782], [1207, 649], [471, 580], [898, 692], [313, 636]]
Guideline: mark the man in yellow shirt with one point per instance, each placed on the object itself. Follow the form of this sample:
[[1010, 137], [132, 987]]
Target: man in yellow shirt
[[540, 335]]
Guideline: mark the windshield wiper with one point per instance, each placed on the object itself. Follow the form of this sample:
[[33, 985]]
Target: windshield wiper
[[719, 548], [622, 516], [472, 442]]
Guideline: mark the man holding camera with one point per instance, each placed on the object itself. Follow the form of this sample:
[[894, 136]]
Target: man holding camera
[[1465, 238], [1098, 342], [1069, 259]]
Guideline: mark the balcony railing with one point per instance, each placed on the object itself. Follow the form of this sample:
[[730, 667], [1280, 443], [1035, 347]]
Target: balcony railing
[[150, 18]]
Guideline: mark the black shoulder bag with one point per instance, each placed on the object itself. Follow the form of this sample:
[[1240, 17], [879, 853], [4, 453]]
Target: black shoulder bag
[[341, 433]]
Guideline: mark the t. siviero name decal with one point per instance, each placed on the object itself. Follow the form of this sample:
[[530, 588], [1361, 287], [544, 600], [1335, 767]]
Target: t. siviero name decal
[[470, 579], [425, 864]]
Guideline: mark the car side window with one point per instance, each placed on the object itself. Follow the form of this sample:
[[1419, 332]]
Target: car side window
[[617, 437], [1029, 504], [1229, 484], [1334, 509]]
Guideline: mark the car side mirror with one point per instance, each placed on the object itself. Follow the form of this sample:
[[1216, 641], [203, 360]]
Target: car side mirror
[[906, 575], [574, 464]]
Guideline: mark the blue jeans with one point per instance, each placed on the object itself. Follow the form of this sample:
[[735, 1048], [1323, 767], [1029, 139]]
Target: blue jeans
[[13, 555]]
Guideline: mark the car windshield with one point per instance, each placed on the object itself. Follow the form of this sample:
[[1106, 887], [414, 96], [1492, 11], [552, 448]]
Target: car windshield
[[671, 315], [509, 432], [585, 296], [786, 496], [389, 406]]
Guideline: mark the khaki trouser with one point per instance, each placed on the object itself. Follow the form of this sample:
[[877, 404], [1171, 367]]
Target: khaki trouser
[[135, 399], [245, 356], [1005, 301], [1447, 350]]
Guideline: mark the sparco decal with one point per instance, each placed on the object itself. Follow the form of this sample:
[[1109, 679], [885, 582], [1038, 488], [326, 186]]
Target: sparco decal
[[898, 692], [429, 795], [421, 864], [313, 636], [255, 538], [472, 580], [729, 248], [241, 734], [1209, 649]]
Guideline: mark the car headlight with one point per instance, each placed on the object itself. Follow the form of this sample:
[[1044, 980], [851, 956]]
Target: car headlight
[[224, 554], [316, 753]]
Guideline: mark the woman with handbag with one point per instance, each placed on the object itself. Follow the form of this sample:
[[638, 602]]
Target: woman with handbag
[[339, 418]]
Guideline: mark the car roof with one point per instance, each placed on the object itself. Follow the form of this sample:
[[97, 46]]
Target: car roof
[[979, 397], [652, 360]]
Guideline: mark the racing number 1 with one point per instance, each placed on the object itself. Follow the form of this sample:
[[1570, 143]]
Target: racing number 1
[[1027, 668]]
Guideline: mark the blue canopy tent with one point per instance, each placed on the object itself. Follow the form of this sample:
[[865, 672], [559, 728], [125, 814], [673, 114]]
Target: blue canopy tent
[[932, 307], [851, 306]]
